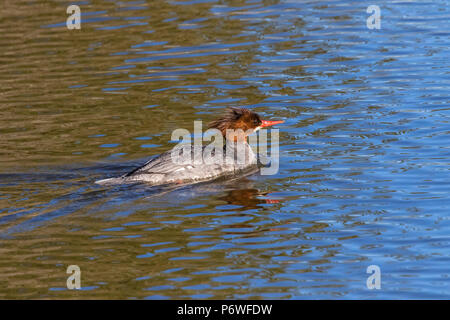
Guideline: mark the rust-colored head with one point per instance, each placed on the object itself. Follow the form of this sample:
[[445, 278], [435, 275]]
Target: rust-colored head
[[240, 118]]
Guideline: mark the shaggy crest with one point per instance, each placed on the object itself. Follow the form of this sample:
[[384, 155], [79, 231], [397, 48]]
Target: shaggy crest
[[237, 118]]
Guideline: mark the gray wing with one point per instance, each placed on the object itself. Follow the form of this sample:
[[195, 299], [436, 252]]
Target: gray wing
[[164, 165], [161, 164]]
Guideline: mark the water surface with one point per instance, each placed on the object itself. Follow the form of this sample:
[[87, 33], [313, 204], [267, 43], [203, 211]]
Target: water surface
[[364, 154]]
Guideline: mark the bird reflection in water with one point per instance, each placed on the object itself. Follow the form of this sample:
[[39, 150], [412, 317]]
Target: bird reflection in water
[[247, 198]]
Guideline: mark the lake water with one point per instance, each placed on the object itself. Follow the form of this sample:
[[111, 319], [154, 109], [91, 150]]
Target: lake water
[[364, 151]]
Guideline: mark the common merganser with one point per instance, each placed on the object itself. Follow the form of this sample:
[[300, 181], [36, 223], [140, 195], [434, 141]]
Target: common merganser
[[237, 155]]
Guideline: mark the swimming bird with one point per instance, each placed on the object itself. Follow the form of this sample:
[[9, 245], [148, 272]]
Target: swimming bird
[[191, 163]]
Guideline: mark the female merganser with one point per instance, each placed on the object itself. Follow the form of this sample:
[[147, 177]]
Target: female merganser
[[237, 155]]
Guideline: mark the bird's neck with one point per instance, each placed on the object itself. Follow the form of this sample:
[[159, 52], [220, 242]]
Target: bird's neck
[[235, 138]]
